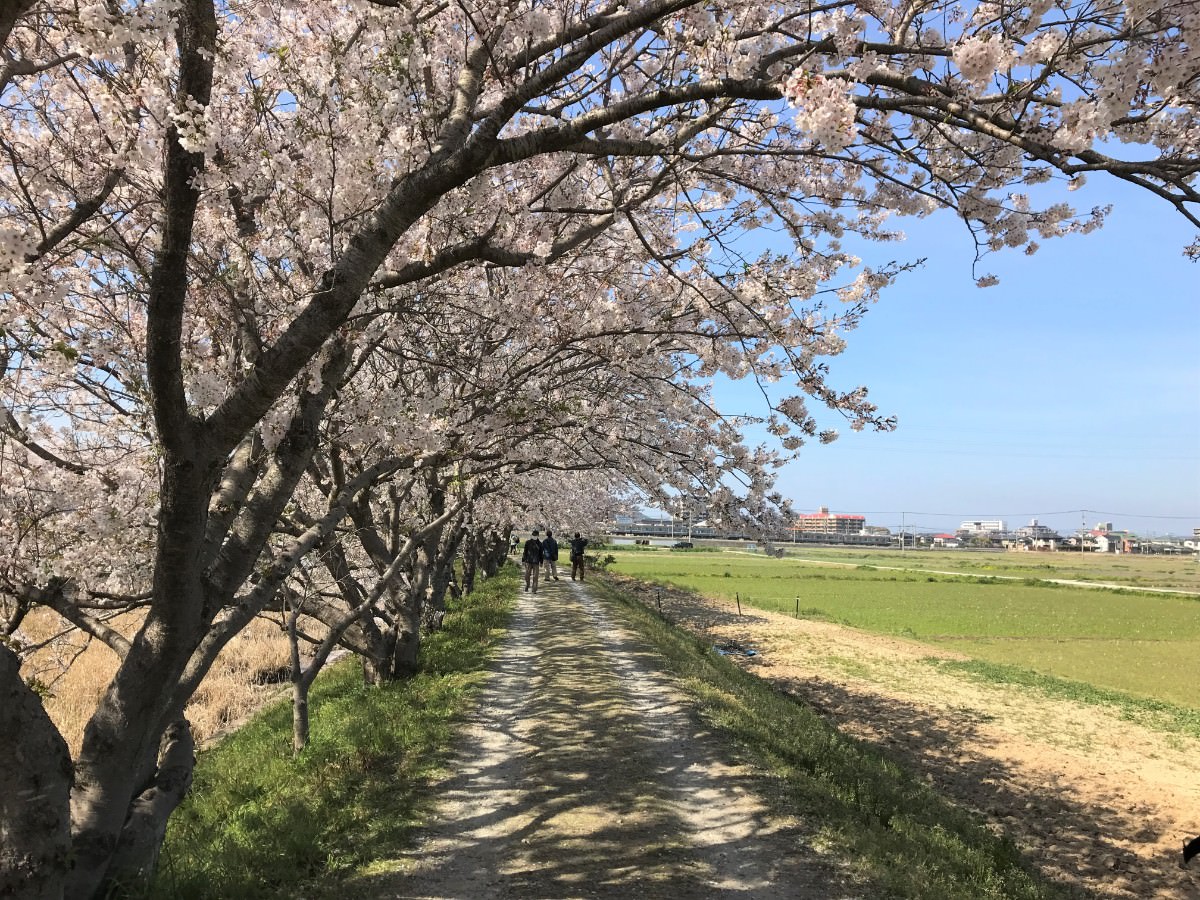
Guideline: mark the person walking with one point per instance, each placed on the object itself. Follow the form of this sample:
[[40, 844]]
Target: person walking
[[578, 545], [550, 555], [531, 558]]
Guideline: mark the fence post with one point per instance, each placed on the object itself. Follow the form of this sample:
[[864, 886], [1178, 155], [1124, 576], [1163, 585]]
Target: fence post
[[739, 603]]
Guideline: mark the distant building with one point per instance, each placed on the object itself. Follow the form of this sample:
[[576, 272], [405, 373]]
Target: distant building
[[824, 522], [1035, 532], [986, 526], [949, 541], [1115, 542]]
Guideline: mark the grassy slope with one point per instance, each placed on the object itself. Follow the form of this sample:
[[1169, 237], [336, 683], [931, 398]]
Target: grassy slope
[[262, 823], [1140, 643]]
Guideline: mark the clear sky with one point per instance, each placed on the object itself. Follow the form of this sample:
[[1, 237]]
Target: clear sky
[[1069, 393]]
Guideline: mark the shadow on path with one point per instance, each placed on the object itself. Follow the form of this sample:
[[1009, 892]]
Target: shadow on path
[[583, 774]]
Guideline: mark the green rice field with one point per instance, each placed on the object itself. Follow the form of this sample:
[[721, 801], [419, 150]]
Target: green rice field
[[1128, 640]]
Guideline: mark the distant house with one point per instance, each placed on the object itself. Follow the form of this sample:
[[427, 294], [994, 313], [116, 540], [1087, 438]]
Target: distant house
[[1116, 542], [947, 541]]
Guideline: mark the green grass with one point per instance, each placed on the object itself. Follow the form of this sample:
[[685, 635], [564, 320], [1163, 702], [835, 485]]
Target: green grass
[[1172, 572], [1150, 713], [260, 823], [1139, 643], [882, 822]]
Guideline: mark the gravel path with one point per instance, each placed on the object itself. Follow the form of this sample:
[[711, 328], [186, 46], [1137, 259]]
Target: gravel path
[[583, 774]]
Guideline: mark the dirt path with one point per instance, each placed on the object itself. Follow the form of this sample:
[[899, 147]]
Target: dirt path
[[1095, 801], [583, 775]]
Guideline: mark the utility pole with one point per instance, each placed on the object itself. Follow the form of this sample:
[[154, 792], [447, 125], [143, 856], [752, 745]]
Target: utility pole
[[902, 530]]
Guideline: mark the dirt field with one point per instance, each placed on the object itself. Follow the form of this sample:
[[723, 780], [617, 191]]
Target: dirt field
[[1093, 800]]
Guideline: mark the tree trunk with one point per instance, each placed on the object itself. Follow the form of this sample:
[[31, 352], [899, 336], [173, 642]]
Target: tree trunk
[[142, 837], [496, 554], [299, 686], [472, 545], [408, 646], [299, 713], [441, 568], [35, 785], [379, 665]]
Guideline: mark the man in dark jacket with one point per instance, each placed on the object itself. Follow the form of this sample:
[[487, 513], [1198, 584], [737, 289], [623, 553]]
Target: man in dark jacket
[[550, 555], [578, 545], [531, 559]]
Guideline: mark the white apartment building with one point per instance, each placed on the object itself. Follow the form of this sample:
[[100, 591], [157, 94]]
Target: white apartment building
[[984, 526]]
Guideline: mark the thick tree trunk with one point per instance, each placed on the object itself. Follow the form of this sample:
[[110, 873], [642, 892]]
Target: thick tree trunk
[[35, 785], [142, 837], [471, 551], [441, 568], [496, 554], [379, 664], [408, 645], [119, 776], [10, 11]]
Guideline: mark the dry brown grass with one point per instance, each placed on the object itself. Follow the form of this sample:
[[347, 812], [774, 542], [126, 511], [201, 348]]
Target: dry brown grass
[[76, 672]]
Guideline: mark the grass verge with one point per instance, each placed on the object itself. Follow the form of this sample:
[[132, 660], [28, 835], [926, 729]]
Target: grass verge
[[883, 822], [261, 823], [1155, 714]]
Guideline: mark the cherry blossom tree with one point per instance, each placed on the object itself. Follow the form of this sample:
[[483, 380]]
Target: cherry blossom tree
[[484, 407], [209, 213]]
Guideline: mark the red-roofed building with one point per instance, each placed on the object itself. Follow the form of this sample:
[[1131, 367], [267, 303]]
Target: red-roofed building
[[823, 522]]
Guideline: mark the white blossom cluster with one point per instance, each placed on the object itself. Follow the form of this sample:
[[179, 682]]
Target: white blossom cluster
[[979, 57], [825, 108]]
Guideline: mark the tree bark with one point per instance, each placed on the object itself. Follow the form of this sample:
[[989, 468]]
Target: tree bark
[[10, 11], [496, 553], [35, 785], [299, 685], [471, 551], [142, 837], [379, 665]]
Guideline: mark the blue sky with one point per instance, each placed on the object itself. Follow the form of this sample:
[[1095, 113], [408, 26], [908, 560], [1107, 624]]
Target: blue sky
[[1068, 393]]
